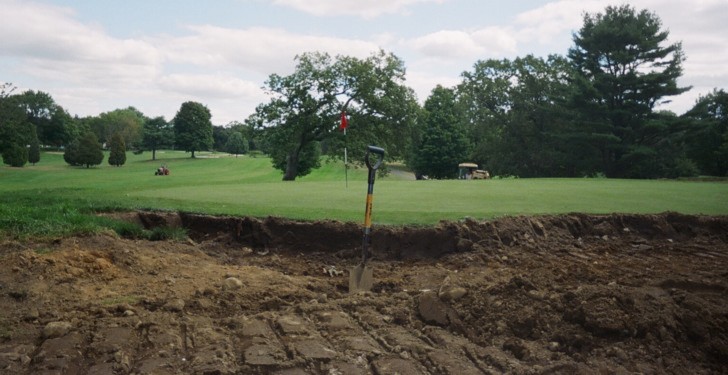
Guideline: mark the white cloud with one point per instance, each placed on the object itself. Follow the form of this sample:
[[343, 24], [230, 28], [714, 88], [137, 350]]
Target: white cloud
[[362, 8], [700, 26], [211, 86], [496, 41], [554, 20], [422, 82], [87, 70], [469, 45], [447, 44], [260, 50], [48, 33]]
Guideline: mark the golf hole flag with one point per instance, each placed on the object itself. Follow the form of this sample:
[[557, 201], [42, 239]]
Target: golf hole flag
[[344, 122]]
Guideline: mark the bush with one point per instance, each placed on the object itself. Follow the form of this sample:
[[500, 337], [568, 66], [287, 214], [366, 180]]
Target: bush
[[85, 151], [684, 167], [15, 155]]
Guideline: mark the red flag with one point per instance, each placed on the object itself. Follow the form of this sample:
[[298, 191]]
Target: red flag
[[344, 122]]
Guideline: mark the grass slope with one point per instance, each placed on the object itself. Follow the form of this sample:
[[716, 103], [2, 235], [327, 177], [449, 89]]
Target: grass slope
[[221, 184]]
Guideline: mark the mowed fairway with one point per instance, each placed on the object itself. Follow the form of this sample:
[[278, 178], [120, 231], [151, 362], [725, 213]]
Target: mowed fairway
[[245, 186]]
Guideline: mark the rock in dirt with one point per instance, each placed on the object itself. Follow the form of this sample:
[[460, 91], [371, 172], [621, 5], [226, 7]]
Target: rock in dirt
[[232, 283], [175, 305], [434, 311], [56, 329], [452, 293]]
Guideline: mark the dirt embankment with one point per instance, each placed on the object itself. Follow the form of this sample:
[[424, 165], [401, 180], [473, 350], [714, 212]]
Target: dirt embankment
[[552, 294]]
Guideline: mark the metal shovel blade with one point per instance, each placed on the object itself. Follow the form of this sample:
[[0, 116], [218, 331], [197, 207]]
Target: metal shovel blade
[[360, 279]]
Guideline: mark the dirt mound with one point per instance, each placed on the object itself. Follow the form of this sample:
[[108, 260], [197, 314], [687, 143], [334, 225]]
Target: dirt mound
[[549, 294]]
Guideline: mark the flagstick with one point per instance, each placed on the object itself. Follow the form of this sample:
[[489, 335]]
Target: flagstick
[[346, 162]]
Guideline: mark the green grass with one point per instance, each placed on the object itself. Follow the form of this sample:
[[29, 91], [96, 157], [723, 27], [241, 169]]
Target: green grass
[[54, 199]]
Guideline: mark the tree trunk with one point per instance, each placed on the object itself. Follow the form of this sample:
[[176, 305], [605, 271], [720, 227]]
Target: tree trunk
[[154, 154], [291, 167], [193, 154]]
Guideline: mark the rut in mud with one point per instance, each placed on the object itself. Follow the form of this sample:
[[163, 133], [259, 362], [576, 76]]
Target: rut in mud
[[551, 294]]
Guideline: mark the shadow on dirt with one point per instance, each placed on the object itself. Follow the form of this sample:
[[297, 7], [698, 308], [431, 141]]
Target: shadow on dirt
[[390, 242]]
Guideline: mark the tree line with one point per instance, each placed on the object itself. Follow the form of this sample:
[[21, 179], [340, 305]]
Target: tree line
[[591, 112]]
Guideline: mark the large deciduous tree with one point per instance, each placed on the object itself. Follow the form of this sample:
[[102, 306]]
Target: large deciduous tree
[[127, 122], [305, 108], [517, 119], [236, 144], [192, 127], [40, 109], [444, 144], [624, 69]]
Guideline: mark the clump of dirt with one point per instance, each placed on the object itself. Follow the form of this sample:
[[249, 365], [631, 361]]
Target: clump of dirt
[[550, 294]]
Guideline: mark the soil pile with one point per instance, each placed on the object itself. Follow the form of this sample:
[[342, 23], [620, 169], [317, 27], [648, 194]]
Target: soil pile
[[532, 295]]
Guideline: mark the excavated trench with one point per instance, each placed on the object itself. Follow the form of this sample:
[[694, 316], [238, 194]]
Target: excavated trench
[[575, 294], [403, 242]]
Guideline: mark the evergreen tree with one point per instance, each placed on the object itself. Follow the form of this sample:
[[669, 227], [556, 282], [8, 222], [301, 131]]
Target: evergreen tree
[[444, 144], [71, 154], [89, 150], [623, 70], [117, 154], [34, 152]]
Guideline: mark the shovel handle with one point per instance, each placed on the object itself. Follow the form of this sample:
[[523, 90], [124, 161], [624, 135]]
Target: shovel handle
[[370, 195], [374, 150]]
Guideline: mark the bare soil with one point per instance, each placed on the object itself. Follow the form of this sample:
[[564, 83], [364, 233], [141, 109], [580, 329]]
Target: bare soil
[[574, 294]]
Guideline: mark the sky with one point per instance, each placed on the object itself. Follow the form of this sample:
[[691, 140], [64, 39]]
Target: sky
[[95, 56]]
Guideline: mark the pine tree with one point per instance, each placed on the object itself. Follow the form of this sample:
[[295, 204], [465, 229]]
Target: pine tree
[[15, 155], [624, 68], [117, 156], [89, 150], [34, 150], [71, 154]]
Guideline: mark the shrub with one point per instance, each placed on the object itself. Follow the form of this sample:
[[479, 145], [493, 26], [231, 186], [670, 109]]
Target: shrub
[[70, 156], [15, 155], [89, 151]]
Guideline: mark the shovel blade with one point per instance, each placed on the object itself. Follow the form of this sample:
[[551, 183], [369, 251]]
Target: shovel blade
[[360, 279]]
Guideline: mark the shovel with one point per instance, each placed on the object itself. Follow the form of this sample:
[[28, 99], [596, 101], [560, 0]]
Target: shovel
[[360, 277]]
